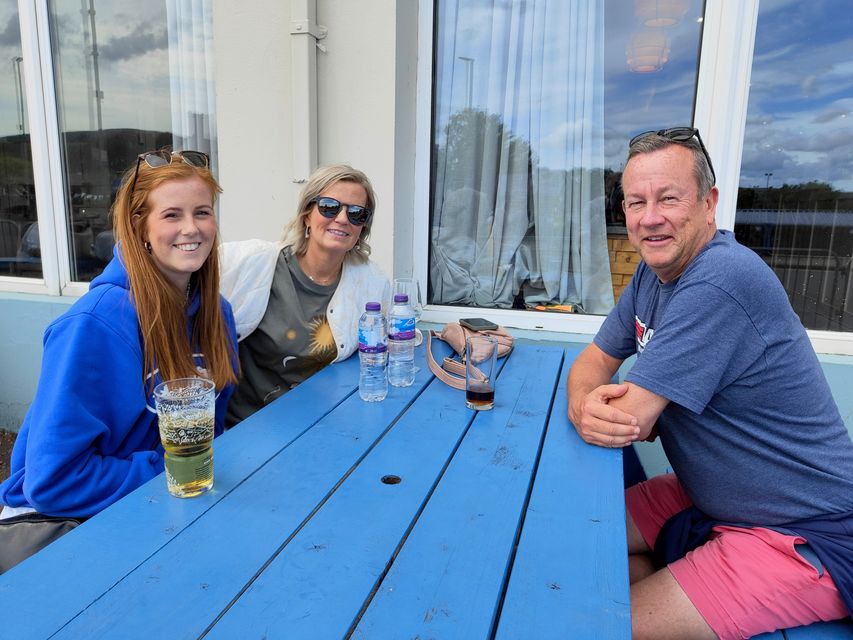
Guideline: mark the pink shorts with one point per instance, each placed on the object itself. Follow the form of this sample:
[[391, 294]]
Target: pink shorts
[[742, 581]]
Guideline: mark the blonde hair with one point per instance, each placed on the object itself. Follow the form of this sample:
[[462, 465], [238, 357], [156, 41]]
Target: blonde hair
[[160, 307], [318, 182]]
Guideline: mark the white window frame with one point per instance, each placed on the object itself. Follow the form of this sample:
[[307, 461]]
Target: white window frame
[[728, 40], [47, 160]]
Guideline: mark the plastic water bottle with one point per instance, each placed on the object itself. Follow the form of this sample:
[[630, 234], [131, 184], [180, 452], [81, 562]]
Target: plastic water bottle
[[372, 354], [401, 342]]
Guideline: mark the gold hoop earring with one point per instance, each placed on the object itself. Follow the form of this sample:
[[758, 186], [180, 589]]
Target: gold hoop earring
[[147, 246]]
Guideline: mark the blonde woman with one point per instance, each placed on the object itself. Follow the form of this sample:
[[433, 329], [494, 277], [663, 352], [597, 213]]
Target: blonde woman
[[297, 302], [155, 313]]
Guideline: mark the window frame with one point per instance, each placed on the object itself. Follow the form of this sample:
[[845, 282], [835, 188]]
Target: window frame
[[38, 87], [48, 170], [726, 53], [46, 154]]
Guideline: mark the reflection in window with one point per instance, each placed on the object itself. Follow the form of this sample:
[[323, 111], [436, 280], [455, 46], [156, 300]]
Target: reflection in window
[[19, 247], [795, 202], [534, 103], [130, 77]]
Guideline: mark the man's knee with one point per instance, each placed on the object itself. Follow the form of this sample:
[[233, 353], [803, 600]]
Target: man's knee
[[640, 567], [660, 609]]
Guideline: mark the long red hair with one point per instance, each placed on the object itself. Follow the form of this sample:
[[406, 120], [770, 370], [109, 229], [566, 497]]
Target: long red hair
[[160, 307]]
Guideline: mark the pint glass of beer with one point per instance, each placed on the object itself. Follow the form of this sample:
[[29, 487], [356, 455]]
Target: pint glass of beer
[[185, 411], [481, 356]]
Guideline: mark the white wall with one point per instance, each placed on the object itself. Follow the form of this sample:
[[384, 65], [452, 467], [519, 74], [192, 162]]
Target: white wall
[[252, 72], [366, 103], [355, 99], [366, 100]]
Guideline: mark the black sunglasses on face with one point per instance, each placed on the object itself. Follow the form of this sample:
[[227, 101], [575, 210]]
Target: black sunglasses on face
[[330, 208], [163, 157], [679, 134]]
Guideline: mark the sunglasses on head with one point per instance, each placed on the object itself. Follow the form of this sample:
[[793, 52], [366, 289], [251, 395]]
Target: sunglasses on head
[[163, 157], [330, 208], [679, 134]]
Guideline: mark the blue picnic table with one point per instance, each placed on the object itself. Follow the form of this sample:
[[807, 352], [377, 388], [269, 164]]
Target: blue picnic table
[[331, 517]]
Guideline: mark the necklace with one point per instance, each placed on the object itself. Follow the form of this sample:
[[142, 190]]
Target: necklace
[[187, 292], [321, 281]]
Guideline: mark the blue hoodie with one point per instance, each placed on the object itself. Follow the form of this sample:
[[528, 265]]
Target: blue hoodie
[[90, 436]]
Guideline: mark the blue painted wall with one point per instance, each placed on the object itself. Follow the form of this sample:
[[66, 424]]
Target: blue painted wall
[[23, 319]]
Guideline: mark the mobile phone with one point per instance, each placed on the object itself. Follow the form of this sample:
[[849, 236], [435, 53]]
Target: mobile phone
[[477, 324]]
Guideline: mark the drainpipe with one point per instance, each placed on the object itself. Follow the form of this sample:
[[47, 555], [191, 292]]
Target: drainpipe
[[305, 36]]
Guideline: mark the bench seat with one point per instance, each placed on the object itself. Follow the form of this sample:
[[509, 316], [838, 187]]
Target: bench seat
[[837, 630]]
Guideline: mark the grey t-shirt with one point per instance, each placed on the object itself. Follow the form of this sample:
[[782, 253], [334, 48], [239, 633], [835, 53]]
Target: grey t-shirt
[[292, 342]]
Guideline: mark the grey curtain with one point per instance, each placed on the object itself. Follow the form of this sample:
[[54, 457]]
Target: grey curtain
[[518, 182]]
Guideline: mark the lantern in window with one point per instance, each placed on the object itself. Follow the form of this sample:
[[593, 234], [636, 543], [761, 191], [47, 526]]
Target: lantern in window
[[660, 13], [647, 51]]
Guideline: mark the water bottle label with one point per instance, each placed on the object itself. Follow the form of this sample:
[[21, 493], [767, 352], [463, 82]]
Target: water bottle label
[[402, 329], [369, 341]]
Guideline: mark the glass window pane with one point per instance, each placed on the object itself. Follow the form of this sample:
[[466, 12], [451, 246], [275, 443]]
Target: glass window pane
[[534, 104], [130, 77], [20, 254], [795, 201]]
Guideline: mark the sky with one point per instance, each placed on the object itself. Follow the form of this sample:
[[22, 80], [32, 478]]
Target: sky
[[800, 110], [133, 62], [800, 100]]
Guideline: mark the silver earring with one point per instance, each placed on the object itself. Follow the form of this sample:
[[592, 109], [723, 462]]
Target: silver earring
[[307, 231], [147, 246]]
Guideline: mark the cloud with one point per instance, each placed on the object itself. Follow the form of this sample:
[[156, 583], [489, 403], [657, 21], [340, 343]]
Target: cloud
[[797, 151], [143, 39], [10, 35], [834, 114]]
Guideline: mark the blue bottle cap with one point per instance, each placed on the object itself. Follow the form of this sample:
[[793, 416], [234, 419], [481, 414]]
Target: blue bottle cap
[[372, 306], [401, 297]]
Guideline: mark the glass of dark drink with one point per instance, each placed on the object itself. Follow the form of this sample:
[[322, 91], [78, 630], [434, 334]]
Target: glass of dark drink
[[481, 356]]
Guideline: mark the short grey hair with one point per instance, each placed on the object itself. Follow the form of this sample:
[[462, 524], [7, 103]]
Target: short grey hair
[[654, 142], [318, 182]]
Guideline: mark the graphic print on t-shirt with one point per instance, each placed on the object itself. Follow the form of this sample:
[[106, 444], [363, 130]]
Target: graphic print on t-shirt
[[316, 341], [292, 342], [644, 334], [322, 341]]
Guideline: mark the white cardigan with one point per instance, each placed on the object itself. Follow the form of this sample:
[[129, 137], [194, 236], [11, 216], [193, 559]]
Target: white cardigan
[[248, 267]]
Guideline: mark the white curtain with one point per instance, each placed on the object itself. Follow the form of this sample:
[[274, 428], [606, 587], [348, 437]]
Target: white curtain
[[518, 168], [190, 32]]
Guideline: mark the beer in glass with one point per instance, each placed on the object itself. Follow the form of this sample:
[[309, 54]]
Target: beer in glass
[[185, 410]]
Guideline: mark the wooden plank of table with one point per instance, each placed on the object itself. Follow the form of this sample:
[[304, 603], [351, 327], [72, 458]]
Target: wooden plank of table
[[318, 584], [448, 578], [43, 593], [179, 590], [322, 579], [570, 576]]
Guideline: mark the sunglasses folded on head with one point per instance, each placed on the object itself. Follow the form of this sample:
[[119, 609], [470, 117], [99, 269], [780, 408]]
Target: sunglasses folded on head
[[330, 208], [679, 134], [164, 157]]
